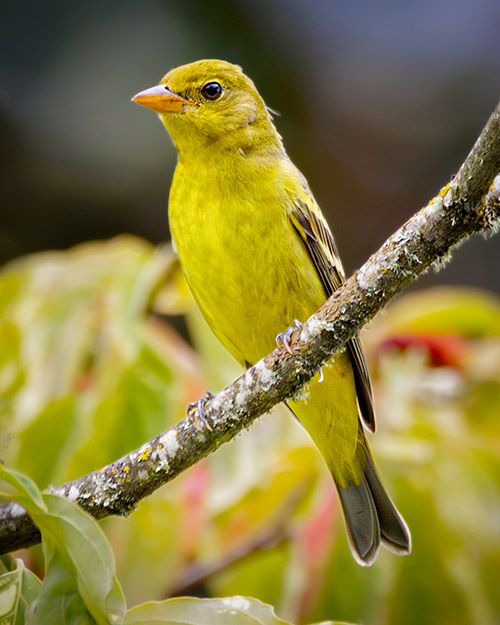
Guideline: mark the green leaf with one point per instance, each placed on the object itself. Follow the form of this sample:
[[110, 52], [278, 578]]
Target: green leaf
[[60, 600], [19, 588], [186, 611], [25, 485], [78, 535], [79, 561]]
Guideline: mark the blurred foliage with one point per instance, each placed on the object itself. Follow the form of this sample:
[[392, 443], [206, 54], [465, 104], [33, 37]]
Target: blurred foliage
[[91, 367], [80, 585]]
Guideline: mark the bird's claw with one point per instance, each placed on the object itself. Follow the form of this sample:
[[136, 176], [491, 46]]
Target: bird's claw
[[286, 336], [198, 409]]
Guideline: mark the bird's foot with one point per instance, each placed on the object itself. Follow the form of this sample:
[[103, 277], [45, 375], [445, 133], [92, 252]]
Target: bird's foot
[[197, 409], [286, 336]]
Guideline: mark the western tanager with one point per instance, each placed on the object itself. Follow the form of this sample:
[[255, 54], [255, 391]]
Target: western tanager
[[257, 254]]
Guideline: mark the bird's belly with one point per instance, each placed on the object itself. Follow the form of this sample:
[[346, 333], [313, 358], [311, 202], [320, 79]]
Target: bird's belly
[[250, 279]]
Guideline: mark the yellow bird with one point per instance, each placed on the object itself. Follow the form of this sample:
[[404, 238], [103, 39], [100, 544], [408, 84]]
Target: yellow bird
[[257, 254]]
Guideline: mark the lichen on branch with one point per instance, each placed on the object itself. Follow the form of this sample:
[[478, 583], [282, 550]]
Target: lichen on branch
[[469, 204]]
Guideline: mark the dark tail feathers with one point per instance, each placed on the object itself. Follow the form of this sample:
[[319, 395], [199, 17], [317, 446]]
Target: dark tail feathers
[[372, 518]]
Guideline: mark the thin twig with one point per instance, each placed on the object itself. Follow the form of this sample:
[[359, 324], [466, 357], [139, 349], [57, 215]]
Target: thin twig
[[276, 531]]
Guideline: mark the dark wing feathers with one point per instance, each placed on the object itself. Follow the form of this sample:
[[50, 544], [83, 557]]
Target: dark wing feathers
[[363, 383], [321, 247]]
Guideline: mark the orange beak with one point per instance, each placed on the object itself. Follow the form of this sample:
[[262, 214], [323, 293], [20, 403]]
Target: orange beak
[[160, 99]]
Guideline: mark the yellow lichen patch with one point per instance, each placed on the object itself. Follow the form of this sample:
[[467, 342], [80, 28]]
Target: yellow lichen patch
[[441, 193], [145, 454], [444, 190], [126, 468]]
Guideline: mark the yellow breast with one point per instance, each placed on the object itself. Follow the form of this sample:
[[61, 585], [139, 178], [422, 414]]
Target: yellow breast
[[244, 263], [252, 276]]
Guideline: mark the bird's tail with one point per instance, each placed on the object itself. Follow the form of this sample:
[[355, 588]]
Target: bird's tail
[[371, 517]]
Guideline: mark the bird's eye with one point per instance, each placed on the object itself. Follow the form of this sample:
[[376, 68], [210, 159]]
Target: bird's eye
[[212, 90]]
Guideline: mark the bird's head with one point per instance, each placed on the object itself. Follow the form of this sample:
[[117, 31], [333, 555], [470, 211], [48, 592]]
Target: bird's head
[[211, 104]]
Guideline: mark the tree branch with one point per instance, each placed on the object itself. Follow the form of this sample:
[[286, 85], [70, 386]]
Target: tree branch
[[470, 203]]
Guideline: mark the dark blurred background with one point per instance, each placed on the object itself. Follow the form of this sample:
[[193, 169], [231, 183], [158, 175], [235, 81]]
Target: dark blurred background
[[379, 104]]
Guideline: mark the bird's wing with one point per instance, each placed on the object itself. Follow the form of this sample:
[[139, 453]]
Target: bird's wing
[[320, 245]]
